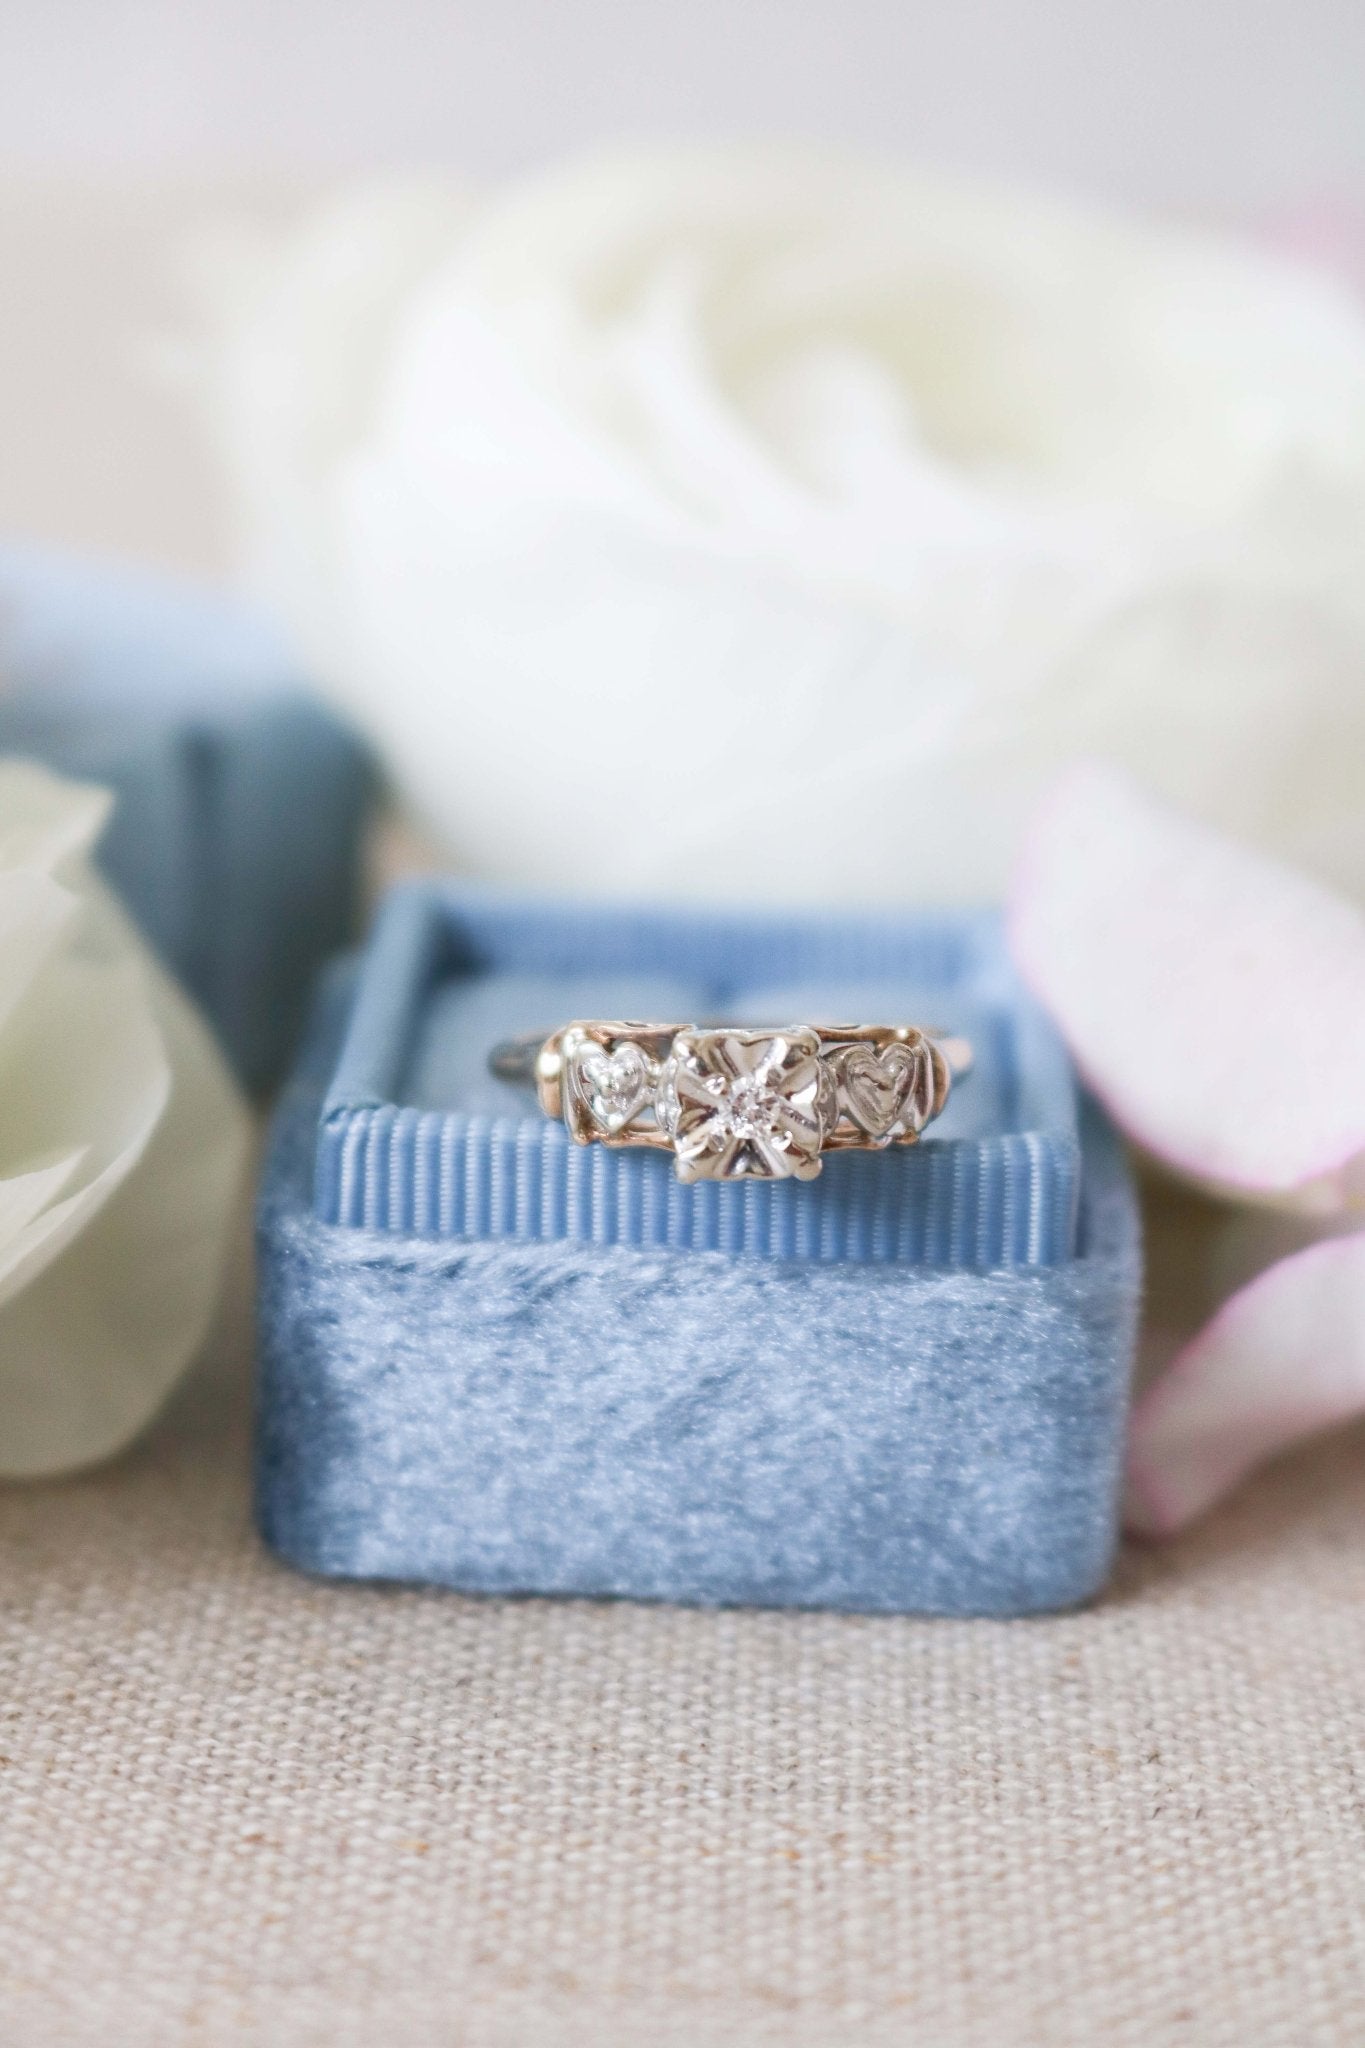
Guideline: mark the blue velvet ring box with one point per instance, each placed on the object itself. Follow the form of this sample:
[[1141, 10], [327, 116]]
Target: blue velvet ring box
[[495, 1360], [237, 831]]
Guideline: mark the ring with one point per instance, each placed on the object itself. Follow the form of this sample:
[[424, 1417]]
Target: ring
[[734, 1102]]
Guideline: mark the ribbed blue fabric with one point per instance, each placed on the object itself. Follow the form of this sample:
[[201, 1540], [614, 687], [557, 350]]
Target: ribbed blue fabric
[[1007, 1195], [1007, 1202]]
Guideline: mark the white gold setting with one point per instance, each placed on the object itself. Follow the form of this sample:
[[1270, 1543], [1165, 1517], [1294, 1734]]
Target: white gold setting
[[739, 1102], [611, 1086], [744, 1104]]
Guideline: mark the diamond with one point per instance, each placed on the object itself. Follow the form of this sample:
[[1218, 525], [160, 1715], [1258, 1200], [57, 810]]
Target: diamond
[[613, 1086], [752, 1109], [744, 1104]]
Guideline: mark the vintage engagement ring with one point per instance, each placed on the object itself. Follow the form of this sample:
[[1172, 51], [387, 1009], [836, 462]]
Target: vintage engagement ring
[[734, 1102]]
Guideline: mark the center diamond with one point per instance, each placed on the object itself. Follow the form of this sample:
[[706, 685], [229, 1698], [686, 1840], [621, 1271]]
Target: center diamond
[[744, 1104], [752, 1109]]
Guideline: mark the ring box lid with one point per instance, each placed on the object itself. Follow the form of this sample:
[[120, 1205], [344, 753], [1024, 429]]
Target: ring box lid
[[241, 803]]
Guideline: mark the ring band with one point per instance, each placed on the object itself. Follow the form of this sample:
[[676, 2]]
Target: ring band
[[737, 1102]]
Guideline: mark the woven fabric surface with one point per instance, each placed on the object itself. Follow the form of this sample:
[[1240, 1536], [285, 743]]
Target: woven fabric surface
[[240, 1807]]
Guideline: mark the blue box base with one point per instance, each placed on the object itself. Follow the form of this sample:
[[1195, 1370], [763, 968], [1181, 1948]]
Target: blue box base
[[510, 1416]]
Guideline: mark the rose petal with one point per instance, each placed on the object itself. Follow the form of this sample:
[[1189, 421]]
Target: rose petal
[[1329, 232], [1199, 1250], [939, 488], [1283, 1359], [92, 1346], [120, 1140], [23, 1196], [36, 913], [1212, 998], [45, 821], [88, 1070]]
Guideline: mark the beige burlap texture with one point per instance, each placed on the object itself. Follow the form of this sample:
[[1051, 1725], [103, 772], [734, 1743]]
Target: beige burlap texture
[[238, 1807]]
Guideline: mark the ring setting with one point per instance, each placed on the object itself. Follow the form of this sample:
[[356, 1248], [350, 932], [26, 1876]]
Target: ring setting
[[737, 1102]]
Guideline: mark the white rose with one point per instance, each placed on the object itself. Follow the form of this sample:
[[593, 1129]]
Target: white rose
[[737, 522], [121, 1144]]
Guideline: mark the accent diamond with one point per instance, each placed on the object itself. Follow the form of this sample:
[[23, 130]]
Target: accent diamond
[[613, 1086]]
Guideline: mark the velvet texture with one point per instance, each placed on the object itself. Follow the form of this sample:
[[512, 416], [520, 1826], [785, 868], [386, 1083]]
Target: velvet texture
[[511, 1414], [241, 804]]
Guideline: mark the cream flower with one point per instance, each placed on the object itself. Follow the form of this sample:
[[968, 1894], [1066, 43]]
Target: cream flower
[[121, 1144], [742, 521]]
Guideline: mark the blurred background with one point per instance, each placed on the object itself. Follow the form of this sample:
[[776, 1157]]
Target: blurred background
[[126, 124]]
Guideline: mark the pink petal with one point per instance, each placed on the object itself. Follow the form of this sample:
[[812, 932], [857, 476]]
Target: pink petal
[[1212, 998], [1284, 1358], [1330, 234]]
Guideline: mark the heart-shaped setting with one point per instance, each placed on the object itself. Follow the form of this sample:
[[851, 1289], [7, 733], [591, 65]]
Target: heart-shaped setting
[[613, 1086], [887, 1091]]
